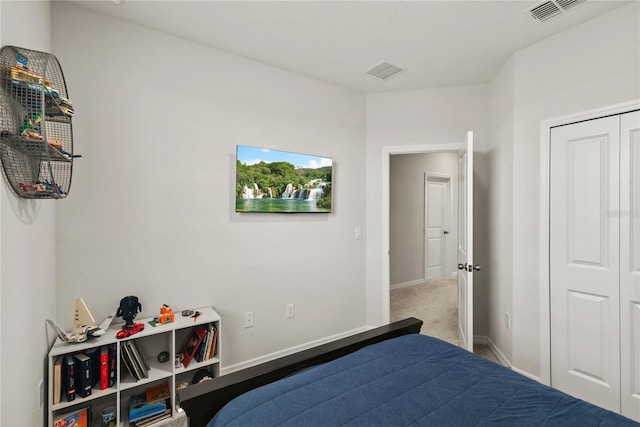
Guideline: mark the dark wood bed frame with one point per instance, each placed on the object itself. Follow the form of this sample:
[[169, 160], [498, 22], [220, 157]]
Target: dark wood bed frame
[[202, 401]]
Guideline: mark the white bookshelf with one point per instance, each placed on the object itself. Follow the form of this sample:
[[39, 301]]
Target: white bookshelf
[[152, 340]]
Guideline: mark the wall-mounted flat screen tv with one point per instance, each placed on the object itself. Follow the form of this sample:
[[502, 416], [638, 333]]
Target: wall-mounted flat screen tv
[[282, 181]]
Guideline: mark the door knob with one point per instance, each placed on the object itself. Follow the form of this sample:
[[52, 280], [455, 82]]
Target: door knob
[[445, 232], [462, 266], [477, 267]]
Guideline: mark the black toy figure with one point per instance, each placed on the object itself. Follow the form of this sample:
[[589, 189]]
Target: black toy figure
[[129, 308]]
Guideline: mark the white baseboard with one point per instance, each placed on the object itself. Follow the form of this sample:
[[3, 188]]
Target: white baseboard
[[290, 350], [482, 339], [526, 374], [405, 284]]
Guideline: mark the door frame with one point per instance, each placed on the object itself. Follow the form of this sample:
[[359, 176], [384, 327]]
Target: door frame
[[446, 179], [387, 152], [544, 252]]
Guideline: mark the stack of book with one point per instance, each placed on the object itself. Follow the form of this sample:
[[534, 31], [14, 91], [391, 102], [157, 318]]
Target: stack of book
[[199, 345], [150, 407], [208, 346], [134, 360], [74, 375]]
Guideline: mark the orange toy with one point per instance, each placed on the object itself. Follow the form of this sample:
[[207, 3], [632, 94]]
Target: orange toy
[[166, 315]]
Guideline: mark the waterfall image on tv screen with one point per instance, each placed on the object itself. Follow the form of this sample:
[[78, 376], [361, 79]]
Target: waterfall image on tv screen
[[282, 181]]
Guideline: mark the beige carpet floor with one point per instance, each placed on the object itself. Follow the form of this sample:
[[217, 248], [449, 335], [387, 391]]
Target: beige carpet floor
[[435, 303]]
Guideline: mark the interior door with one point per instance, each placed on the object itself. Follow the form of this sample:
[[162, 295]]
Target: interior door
[[465, 245], [630, 263], [585, 260], [436, 198]]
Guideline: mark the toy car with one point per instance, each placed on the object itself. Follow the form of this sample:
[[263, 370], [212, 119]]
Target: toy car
[[127, 332], [55, 102], [22, 74], [54, 94], [32, 135]]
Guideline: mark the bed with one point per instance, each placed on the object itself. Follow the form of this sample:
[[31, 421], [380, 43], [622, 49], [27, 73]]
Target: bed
[[388, 376]]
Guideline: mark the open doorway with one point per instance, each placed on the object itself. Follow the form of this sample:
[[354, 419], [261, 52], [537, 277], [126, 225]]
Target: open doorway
[[463, 259], [423, 224]]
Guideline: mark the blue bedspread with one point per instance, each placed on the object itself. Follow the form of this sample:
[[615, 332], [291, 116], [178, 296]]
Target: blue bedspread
[[413, 380]]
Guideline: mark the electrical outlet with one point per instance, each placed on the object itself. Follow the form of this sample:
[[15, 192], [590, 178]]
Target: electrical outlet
[[507, 321], [40, 393], [248, 319], [290, 311]]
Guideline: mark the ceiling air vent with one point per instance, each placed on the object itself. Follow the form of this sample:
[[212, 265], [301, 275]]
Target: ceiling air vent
[[384, 70], [568, 4], [549, 9]]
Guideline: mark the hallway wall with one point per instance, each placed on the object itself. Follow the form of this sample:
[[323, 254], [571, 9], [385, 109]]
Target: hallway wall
[[407, 212]]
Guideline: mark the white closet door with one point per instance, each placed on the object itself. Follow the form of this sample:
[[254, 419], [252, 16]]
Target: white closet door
[[584, 261], [630, 263]]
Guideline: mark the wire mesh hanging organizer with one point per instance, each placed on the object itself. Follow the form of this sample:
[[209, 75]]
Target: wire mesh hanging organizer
[[36, 138]]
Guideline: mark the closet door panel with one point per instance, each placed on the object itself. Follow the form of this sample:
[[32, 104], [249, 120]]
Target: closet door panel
[[587, 196], [630, 263], [584, 260], [587, 326]]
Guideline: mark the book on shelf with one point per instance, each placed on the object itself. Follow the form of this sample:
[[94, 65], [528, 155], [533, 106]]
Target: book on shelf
[[94, 355], [128, 357], [57, 380], [145, 422], [211, 351], [199, 356], [143, 358], [157, 392], [126, 361], [104, 367], [113, 362], [139, 363], [208, 344], [192, 344], [83, 374], [69, 377], [78, 418], [140, 409]]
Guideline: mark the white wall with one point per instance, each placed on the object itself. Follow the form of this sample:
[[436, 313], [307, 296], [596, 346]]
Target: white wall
[[593, 65], [406, 213], [499, 270], [28, 259], [151, 208], [430, 116]]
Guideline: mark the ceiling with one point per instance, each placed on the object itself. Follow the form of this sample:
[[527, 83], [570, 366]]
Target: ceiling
[[439, 43]]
